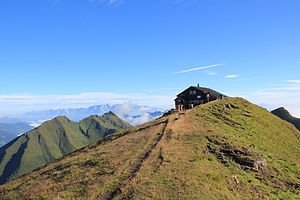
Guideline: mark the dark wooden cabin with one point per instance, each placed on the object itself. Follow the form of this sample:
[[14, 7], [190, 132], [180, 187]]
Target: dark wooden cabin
[[194, 96]]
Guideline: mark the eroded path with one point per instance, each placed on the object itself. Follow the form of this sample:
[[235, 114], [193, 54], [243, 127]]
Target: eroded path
[[141, 158]]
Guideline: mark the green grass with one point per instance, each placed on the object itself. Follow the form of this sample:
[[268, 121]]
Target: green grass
[[178, 157]]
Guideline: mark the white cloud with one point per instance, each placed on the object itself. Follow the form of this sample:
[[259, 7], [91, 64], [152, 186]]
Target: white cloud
[[232, 76], [37, 123], [198, 68], [125, 108], [141, 119], [293, 81], [294, 110], [211, 73]]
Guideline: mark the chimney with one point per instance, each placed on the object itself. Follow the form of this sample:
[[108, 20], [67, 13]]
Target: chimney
[[198, 85]]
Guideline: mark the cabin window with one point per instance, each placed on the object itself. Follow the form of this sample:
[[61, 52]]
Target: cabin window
[[192, 92], [198, 97]]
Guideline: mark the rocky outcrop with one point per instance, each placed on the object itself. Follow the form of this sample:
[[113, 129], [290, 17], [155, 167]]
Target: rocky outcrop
[[227, 152], [248, 159]]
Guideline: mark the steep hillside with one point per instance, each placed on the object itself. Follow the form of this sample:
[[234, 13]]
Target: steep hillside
[[227, 149], [52, 140], [9, 131], [285, 115]]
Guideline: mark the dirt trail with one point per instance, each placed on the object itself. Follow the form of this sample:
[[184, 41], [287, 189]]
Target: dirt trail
[[136, 168]]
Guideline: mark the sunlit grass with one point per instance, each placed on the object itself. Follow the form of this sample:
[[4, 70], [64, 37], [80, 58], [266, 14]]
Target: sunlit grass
[[169, 159]]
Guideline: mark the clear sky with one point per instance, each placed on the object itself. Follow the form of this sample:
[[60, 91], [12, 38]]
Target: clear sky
[[70, 53]]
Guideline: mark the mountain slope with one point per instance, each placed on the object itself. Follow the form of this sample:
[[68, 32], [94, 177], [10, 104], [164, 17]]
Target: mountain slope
[[9, 131], [226, 149], [52, 140], [285, 115], [97, 127]]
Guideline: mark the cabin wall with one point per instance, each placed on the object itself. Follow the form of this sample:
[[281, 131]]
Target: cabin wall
[[192, 96]]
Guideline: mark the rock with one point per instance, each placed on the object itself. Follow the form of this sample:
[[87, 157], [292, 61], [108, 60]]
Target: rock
[[245, 157]]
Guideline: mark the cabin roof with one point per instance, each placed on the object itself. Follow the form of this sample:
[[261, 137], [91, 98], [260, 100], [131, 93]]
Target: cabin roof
[[206, 90]]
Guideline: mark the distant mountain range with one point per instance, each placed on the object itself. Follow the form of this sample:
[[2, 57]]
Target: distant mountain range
[[285, 115], [52, 140], [74, 114], [9, 131], [130, 112]]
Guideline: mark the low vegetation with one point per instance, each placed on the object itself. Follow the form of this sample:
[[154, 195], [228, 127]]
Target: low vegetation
[[227, 149]]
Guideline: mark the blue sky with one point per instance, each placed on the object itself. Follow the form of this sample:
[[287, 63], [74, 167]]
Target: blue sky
[[72, 53]]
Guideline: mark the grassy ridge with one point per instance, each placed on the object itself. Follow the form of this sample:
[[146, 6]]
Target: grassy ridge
[[227, 149], [246, 126], [52, 140]]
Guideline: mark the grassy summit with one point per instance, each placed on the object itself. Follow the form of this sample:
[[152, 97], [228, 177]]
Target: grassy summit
[[52, 140], [227, 149]]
